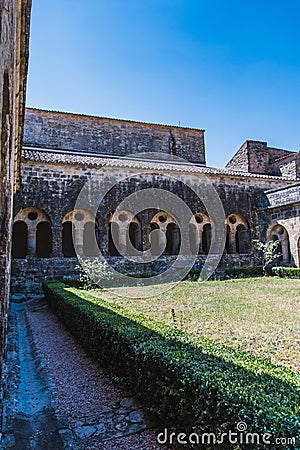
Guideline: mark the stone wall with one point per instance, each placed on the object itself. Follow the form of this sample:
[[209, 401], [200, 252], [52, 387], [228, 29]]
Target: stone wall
[[54, 188], [288, 167], [257, 157], [240, 161], [283, 196], [14, 33], [29, 274], [110, 136], [282, 207]]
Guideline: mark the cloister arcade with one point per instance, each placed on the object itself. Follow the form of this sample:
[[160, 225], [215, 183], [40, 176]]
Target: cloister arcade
[[32, 234]]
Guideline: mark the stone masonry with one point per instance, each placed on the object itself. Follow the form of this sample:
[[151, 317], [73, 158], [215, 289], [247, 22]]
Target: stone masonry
[[62, 151], [110, 136], [14, 34]]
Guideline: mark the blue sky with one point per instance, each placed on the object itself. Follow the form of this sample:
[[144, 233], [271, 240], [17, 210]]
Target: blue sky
[[230, 67]]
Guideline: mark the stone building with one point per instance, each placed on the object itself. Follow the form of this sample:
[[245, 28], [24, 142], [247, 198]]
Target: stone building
[[61, 151], [14, 34]]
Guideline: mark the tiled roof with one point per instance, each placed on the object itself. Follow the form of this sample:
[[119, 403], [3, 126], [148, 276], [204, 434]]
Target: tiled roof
[[83, 159]]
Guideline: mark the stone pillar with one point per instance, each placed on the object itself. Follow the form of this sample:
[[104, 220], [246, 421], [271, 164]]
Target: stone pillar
[[199, 239], [122, 243], [78, 240], [232, 241], [57, 239], [285, 251], [31, 239]]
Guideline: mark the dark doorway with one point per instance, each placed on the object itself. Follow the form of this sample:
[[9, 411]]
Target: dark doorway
[[242, 239], [206, 238], [173, 239], [19, 240], [113, 239], [67, 240]]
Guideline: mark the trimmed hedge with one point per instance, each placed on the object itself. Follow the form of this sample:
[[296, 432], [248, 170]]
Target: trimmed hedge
[[203, 387], [286, 272], [244, 272]]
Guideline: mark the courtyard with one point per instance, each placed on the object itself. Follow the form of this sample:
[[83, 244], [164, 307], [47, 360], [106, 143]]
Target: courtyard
[[257, 315]]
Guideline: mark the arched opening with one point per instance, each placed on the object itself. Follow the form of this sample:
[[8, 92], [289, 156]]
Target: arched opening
[[238, 234], [200, 231], [173, 239], [19, 240], [113, 239], [81, 234], [67, 240], [125, 230], [43, 240], [90, 247], [242, 240], [278, 233], [39, 233], [194, 240], [169, 239], [206, 238]]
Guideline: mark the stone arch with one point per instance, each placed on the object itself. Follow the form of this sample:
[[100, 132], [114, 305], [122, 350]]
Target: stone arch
[[124, 231], [278, 232], [37, 233], [238, 234], [169, 226], [79, 229], [200, 233]]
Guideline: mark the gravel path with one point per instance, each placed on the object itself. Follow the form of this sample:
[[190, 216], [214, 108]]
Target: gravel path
[[97, 413]]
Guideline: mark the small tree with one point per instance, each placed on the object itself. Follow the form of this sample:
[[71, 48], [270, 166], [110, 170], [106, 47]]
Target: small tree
[[92, 272], [268, 251]]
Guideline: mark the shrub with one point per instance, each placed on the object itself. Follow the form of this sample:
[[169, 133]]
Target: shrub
[[201, 387], [286, 272], [91, 272], [268, 251], [245, 272]]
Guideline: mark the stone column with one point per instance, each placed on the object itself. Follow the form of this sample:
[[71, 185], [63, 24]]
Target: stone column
[[199, 239], [57, 228], [122, 243], [232, 241], [31, 239], [285, 251], [78, 239]]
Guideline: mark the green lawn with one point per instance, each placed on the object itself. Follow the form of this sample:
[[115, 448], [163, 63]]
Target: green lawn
[[258, 315]]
